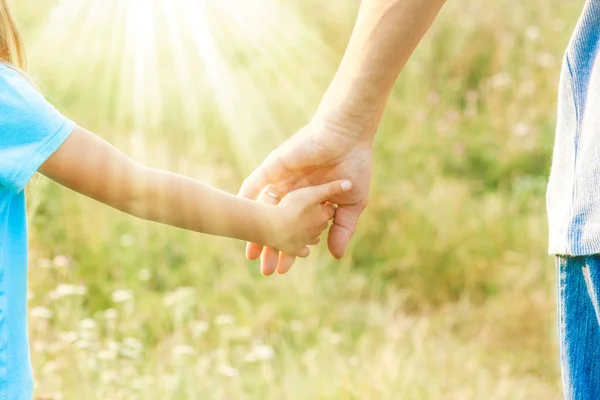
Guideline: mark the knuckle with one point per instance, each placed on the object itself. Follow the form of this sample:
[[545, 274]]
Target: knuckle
[[332, 190]]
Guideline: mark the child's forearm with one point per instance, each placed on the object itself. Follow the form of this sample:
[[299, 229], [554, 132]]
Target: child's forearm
[[186, 203], [91, 166]]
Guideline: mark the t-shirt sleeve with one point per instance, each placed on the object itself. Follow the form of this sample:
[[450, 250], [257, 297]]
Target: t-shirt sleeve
[[31, 130]]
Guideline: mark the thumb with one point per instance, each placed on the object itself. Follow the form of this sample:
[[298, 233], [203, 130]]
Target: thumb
[[327, 192]]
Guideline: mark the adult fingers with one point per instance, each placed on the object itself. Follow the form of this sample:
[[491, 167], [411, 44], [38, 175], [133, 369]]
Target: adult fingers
[[269, 260], [342, 229], [254, 183], [285, 263], [253, 250], [273, 260]]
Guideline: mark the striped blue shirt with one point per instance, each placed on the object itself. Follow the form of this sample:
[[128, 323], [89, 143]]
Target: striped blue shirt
[[573, 196]]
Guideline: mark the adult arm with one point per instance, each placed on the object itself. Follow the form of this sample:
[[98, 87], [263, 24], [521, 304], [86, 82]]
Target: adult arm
[[338, 140]]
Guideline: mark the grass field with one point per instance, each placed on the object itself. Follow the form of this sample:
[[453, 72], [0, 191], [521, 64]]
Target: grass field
[[446, 291]]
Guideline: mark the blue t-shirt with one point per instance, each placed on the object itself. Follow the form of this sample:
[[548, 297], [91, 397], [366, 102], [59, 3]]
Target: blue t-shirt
[[30, 131]]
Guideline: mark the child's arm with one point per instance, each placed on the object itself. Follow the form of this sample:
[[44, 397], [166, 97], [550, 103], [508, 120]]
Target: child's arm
[[91, 166]]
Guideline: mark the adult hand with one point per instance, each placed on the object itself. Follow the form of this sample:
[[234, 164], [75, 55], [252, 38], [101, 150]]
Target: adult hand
[[323, 151]]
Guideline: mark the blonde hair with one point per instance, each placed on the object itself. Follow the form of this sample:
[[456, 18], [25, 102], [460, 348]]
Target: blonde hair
[[12, 49]]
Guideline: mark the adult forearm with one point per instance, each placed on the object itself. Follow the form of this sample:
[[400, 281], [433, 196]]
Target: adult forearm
[[385, 36]]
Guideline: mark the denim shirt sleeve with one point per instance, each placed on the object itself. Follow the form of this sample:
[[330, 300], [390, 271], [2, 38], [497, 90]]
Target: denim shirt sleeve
[[31, 130]]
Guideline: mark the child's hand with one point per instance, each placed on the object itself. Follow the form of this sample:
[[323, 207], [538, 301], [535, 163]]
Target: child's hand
[[302, 216]]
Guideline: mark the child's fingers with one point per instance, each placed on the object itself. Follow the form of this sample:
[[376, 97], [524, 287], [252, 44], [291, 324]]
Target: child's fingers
[[315, 240], [326, 192], [328, 210], [302, 252]]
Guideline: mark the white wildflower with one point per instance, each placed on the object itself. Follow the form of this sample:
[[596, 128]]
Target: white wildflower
[[64, 290], [110, 352], [433, 98], [106, 355], [296, 325], [50, 367], [180, 295], [260, 353], [558, 25], [228, 371], [144, 274], [500, 80], [62, 262], [122, 296], [132, 342], [139, 383], [522, 129], [243, 333], [110, 314], [108, 376], [38, 347], [533, 33], [183, 350], [202, 365], [199, 327], [68, 337], [545, 60], [224, 319], [44, 263], [127, 240], [41, 313], [131, 348], [88, 324], [310, 356], [55, 347], [331, 336], [92, 363]]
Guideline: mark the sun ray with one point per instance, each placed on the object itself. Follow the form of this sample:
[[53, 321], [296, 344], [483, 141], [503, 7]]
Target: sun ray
[[253, 61]]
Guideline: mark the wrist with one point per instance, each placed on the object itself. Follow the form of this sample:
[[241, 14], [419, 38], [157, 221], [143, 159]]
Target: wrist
[[349, 116], [348, 124], [270, 227]]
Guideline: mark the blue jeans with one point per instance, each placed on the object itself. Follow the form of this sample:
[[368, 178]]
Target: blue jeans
[[578, 295]]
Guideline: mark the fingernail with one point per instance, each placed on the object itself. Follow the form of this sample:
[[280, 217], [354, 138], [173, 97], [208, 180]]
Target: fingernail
[[346, 185]]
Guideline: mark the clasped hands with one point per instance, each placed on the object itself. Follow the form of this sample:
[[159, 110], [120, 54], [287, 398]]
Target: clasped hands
[[324, 164]]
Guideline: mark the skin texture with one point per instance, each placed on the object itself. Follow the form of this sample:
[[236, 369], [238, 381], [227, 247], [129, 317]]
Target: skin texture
[[337, 143], [89, 165]]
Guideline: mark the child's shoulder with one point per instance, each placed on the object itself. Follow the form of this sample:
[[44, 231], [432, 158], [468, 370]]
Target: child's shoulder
[[12, 75], [7, 72], [16, 88]]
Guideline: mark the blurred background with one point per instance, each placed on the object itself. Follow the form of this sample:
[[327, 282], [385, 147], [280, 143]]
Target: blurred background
[[446, 291]]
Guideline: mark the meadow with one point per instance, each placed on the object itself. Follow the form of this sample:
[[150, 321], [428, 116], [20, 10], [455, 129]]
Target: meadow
[[446, 291]]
